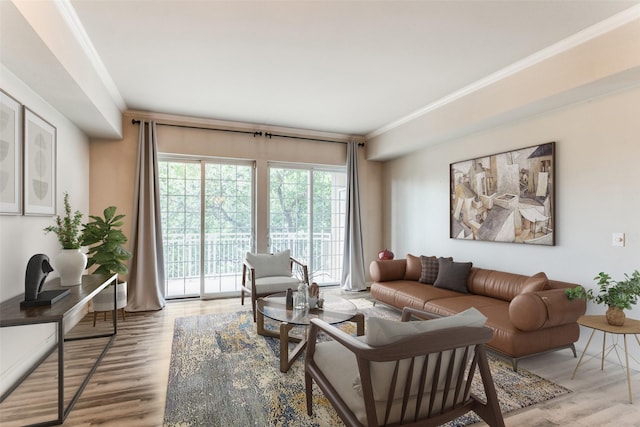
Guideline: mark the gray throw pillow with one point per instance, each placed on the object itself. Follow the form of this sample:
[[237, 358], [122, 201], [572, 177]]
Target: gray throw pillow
[[453, 275], [430, 267]]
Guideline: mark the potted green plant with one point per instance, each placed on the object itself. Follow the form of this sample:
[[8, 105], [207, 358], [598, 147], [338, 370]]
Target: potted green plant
[[106, 241], [617, 295], [70, 263]]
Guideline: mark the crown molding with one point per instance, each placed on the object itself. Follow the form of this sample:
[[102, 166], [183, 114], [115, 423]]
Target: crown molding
[[78, 31], [564, 45]]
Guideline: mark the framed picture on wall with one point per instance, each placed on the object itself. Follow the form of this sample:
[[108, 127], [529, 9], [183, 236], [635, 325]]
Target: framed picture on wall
[[505, 197], [10, 155], [39, 165]]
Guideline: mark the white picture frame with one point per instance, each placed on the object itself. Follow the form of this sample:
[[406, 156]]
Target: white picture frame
[[39, 165], [10, 155]]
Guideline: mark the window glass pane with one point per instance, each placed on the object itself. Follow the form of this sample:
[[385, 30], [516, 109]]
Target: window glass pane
[[180, 216], [228, 225], [328, 225], [306, 209]]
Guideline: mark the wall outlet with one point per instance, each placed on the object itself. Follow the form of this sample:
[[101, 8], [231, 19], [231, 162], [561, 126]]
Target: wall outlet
[[618, 239]]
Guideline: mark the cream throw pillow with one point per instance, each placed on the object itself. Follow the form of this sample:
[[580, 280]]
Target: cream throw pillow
[[385, 331], [268, 265]]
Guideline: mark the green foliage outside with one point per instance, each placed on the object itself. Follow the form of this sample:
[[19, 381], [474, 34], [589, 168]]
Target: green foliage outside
[[228, 211], [226, 208]]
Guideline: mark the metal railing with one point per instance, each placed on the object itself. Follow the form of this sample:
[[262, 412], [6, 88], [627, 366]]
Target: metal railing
[[224, 254]]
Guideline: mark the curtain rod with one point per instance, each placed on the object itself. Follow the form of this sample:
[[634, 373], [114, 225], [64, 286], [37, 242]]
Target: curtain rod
[[256, 133], [269, 135]]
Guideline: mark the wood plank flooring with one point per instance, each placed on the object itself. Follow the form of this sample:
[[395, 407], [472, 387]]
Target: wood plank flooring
[[129, 386]]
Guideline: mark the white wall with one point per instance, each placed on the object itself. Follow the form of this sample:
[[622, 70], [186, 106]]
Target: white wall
[[22, 236], [597, 193]]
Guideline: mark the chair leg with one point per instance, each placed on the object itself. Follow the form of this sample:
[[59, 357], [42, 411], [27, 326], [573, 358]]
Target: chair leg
[[489, 412], [253, 306], [122, 312], [95, 314], [308, 383]]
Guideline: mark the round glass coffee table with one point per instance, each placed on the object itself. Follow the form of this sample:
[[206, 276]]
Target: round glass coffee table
[[335, 310]]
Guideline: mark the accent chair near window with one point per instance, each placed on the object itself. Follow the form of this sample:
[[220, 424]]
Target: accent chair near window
[[267, 274]]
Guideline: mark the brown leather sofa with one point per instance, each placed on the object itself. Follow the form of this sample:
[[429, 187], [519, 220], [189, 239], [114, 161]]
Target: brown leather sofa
[[528, 315]]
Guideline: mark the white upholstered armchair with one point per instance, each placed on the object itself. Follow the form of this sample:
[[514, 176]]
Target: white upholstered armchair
[[410, 373], [266, 274]]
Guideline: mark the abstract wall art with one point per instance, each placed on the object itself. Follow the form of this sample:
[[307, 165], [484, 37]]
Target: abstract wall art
[[505, 197], [39, 165], [10, 155]]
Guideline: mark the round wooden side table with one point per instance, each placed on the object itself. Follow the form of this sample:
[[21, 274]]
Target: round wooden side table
[[599, 323]]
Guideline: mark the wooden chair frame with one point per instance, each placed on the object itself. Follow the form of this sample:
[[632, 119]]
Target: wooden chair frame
[[249, 281], [467, 339]]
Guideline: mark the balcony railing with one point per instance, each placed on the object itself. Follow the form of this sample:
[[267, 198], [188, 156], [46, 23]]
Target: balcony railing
[[224, 254]]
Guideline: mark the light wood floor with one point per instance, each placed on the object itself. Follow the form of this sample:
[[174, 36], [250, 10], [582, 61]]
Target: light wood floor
[[129, 387]]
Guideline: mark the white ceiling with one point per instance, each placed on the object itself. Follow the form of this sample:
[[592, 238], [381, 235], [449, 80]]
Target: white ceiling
[[335, 66]]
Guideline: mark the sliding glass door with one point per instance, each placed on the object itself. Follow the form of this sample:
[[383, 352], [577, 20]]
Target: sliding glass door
[[207, 217], [306, 215]]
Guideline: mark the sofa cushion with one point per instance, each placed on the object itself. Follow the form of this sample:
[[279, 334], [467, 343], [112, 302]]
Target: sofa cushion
[[386, 331], [414, 268], [267, 265], [532, 311], [495, 284], [429, 269], [388, 270], [429, 273], [453, 275], [536, 283], [273, 284], [408, 293]]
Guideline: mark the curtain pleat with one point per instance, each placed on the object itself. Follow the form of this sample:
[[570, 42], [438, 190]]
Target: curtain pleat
[[353, 277], [146, 275]]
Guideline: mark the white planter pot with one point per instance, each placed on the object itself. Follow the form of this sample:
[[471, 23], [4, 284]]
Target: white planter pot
[[104, 300], [70, 264]]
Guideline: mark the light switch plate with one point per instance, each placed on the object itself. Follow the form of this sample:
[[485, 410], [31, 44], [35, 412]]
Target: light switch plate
[[618, 239]]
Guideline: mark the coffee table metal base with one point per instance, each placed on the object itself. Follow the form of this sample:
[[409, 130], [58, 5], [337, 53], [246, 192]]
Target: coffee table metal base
[[286, 359]]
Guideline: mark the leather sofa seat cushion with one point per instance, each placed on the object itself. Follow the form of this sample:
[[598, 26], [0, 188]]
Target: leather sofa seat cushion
[[404, 293], [450, 306]]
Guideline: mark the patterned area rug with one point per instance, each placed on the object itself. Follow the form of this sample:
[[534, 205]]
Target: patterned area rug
[[222, 373]]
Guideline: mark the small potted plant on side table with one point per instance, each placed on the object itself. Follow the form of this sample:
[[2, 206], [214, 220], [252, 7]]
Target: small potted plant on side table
[[106, 240], [617, 295]]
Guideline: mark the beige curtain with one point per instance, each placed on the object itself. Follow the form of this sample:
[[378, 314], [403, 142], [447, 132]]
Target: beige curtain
[[353, 278], [146, 275]]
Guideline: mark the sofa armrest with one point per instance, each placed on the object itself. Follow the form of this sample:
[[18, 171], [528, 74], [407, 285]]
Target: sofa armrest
[[544, 309], [385, 271]]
